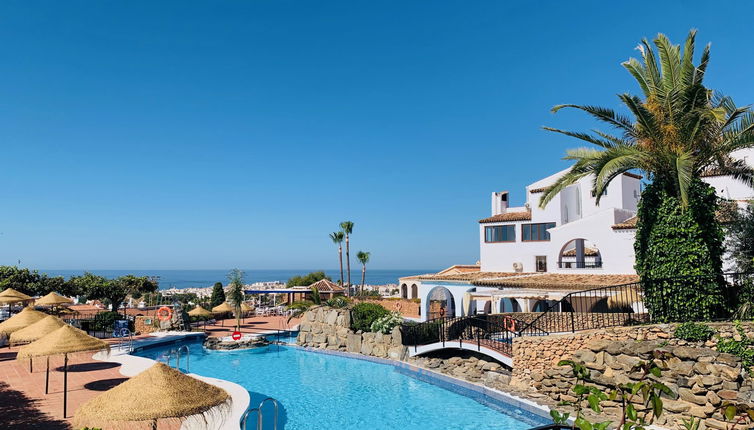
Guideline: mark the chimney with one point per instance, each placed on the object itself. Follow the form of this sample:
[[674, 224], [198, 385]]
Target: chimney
[[499, 202]]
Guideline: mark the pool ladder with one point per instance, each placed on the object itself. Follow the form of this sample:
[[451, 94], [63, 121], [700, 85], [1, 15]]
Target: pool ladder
[[177, 353], [258, 410], [128, 340]]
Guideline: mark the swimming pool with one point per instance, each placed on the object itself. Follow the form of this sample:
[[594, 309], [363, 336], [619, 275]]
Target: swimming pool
[[318, 391]]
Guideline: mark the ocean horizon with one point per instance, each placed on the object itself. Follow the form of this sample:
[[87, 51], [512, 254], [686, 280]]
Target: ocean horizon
[[206, 278]]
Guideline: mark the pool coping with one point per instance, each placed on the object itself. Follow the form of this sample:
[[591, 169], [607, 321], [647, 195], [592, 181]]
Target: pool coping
[[491, 395], [131, 365]]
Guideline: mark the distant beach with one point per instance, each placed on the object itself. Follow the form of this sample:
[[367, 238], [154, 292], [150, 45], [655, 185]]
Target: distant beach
[[205, 278]]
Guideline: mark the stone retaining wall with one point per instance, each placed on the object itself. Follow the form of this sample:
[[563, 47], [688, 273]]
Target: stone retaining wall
[[328, 328], [702, 377], [538, 353]]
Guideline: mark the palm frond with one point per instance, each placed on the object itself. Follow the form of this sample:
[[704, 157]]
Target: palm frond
[[582, 136], [603, 114]]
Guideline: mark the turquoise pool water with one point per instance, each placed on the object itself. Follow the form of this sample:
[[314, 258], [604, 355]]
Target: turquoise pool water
[[318, 392]]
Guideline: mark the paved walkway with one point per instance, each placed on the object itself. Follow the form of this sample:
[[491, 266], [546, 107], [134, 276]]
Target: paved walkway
[[24, 405]]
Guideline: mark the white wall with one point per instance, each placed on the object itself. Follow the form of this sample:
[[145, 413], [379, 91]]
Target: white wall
[[616, 246]]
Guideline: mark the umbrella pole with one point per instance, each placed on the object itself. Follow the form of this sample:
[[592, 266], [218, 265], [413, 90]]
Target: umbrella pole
[[154, 425], [65, 385], [47, 377], [31, 365]]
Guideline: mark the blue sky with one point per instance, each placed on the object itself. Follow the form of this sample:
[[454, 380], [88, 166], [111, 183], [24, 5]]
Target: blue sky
[[185, 134]]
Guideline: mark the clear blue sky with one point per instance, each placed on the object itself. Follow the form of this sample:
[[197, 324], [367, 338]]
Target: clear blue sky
[[185, 134]]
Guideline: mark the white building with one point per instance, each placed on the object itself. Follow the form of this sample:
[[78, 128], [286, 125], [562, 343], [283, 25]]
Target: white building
[[531, 257]]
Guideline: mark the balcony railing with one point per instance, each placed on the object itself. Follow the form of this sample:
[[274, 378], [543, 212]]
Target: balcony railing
[[580, 264]]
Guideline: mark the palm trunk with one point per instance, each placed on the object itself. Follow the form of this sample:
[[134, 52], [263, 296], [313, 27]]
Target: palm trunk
[[340, 258], [348, 262], [363, 277]]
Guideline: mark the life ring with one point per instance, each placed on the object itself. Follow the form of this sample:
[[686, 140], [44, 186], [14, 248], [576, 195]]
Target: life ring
[[510, 324], [398, 306], [164, 313]]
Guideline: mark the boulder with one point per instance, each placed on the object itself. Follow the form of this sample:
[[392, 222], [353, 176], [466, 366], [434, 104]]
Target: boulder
[[353, 343]]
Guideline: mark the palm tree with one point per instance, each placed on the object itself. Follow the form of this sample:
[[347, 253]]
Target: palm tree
[[679, 131], [347, 227], [235, 293], [337, 237], [364, 259]]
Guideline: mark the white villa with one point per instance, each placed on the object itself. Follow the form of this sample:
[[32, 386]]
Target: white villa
[[532, 256]]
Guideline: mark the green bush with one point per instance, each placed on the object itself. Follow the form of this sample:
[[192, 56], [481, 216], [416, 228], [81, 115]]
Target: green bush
[[364, 314], [387, 323], [743, 349], [694, 332], [673, 241], [338, 302]]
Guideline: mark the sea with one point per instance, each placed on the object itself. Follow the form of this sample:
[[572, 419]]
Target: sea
[[206, 278]]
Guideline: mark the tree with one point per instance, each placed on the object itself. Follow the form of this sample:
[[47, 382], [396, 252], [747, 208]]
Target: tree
[[363, 258], [115, 291], [307, 280], [236, 293], [33, 283], [677, 132], [347, 227], [741, 238], [337, 238], [218, 295]]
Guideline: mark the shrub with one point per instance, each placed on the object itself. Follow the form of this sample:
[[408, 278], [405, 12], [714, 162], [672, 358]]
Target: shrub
[[364, 314], [338, 302], [672, 241], [694, 332], [387, 323], [743, 349]]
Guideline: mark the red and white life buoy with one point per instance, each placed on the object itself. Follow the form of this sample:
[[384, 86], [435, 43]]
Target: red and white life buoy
[[164, 313], [510, 324]]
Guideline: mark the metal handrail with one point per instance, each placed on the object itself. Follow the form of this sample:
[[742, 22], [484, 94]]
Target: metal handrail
[[188, 354], [260, 416], [128, 340]]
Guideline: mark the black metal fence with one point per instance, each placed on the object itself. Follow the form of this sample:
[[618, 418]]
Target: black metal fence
[[660, 300], [491, 331]]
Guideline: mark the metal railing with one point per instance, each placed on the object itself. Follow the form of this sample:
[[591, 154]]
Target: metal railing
[[260, 416], [495, 332], [628, 304], [580, 264]]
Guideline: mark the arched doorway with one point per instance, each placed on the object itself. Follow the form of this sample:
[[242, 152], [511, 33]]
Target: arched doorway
[[509, 305], [543, 305], [579, 254], [404, 291], [414, 291], [440, 303]]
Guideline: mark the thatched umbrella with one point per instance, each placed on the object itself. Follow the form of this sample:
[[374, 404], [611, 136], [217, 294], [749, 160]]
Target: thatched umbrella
[[199, 312], [223, 308], [10, 296], [53, 299], [10, 292], [65, 340], [158, 392], [37, 330], [25, 318], [246, 308], [34, 332]]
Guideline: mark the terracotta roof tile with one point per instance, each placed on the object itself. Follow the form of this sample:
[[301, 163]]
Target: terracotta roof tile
[[469, 276], [508, 216], [560, 281], [327, 286], [628, 224], [537, 190]]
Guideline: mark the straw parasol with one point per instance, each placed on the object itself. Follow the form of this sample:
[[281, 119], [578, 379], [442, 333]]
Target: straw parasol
[[158, 392], [25, 318], [53, 299], [35, 331], [10, 292], [246, 308], [64, 340], [199, 312], [222, 308]]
